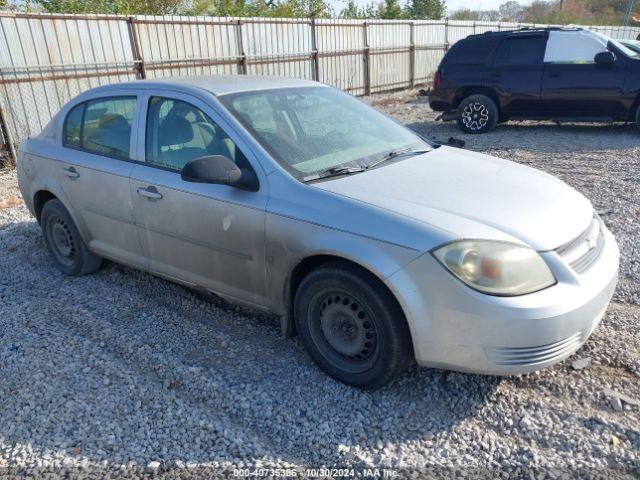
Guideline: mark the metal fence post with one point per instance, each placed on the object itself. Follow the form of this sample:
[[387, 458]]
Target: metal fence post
[[243, 55], [446, 34], [367, 65], [135, 48], [4, 134], [412, 55], [314, 51]]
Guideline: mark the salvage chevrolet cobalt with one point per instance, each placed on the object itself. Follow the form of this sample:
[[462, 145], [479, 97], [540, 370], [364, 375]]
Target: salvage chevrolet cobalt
[[376, 247]]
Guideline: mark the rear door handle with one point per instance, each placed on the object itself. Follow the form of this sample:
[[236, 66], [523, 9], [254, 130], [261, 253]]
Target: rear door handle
[[70, 172], [554, 74], [150, 192]]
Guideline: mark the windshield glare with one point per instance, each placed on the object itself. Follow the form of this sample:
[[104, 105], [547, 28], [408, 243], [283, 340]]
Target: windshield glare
[[623, 48], [312, 129]]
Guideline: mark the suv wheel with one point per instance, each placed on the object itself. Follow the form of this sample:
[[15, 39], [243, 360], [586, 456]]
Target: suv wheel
[[69, 253], [477, 114], [351, 327]]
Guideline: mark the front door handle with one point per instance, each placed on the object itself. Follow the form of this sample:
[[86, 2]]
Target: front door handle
[[554, 74], [150, 192], [70, 172]]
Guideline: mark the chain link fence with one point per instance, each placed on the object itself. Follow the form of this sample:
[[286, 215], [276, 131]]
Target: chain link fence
[[47, 59]]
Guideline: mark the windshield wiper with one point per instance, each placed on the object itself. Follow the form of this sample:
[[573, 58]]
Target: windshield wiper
[[333, 172], [397, 153], [348, 170]]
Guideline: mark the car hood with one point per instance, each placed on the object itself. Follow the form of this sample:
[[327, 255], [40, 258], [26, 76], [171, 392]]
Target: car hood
[[473, 195]]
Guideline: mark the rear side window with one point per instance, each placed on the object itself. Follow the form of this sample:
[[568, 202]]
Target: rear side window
[[101, 126], [475, 51], [72, 126], [520, 51]]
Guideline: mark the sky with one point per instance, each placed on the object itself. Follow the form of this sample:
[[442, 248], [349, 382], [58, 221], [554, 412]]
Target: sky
[[451, 4]]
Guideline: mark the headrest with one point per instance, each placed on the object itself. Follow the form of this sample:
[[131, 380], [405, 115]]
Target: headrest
[[174, 131], [113, 120]]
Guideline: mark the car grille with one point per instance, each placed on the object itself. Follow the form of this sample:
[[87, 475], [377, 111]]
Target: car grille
[[582, 252], [534, 355]]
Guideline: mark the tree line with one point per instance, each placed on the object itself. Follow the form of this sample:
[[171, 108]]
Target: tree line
[[590, 12]]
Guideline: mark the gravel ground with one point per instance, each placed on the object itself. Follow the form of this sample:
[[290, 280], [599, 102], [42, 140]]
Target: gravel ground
[[121, 372]]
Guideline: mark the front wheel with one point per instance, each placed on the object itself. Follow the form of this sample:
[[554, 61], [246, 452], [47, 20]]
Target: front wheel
[[352, 327], [477, 114]]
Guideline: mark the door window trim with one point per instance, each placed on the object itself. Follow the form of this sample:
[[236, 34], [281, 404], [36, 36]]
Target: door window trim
[[84, 109]]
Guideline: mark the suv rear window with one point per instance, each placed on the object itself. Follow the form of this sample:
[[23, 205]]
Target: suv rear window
[[471, 51], [520, 51]]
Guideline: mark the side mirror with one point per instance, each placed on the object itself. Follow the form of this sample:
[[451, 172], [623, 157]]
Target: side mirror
[[219, 169], [605, 59]]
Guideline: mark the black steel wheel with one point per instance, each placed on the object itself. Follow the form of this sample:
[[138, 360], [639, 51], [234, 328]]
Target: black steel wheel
[[477, 114], [352, 326], [65, 245]]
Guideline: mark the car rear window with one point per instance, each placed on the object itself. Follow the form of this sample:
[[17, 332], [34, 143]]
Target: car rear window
[[520, 51], [471, 51]]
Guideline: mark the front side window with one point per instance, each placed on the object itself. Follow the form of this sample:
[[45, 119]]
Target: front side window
[[178, 132], [311, 129], [573, 47], [520, 51]]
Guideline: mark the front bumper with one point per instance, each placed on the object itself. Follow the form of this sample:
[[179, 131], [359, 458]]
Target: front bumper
[[457, 328]]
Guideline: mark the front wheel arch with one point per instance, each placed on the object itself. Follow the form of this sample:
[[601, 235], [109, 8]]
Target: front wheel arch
[[313, 262]]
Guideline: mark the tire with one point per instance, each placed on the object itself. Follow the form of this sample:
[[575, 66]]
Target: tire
[[477, 114], [638, 117], [66, 247], [352, 327]]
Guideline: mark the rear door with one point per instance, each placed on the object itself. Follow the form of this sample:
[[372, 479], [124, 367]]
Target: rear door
[[573, 85], [205, 235], [94, 166], [516, 74]]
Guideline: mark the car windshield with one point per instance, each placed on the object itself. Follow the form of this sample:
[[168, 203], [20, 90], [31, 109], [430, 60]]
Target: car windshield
[[309, 130], [632, 45], [623, 48]]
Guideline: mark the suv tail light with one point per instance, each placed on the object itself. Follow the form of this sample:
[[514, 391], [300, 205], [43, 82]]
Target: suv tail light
[[437, 79]]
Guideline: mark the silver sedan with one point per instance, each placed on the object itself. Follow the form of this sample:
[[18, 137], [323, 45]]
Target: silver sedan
[[377, 247]]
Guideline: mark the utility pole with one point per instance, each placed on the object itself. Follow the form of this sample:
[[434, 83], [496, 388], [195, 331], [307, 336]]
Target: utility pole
[[628, 14]]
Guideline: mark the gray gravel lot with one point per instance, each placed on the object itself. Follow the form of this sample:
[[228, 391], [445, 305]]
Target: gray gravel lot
[[125, 372]]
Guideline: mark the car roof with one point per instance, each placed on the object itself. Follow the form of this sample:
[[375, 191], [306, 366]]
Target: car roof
[[215, 84], [525, 30]]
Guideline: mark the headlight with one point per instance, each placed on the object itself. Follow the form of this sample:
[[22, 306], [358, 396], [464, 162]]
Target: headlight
[[496, 268]]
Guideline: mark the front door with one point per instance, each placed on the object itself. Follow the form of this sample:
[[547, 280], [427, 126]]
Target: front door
[[573, 85], [205, 235], [94, 168]]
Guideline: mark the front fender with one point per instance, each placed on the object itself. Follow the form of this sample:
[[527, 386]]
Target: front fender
[[290, 241]]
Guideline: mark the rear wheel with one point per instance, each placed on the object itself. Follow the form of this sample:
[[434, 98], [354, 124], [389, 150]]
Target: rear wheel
[[638, 117], [66, 247], [352, 327], [477, 114]]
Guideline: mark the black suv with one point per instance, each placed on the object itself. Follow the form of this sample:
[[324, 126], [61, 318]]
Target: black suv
[[551, 73]]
